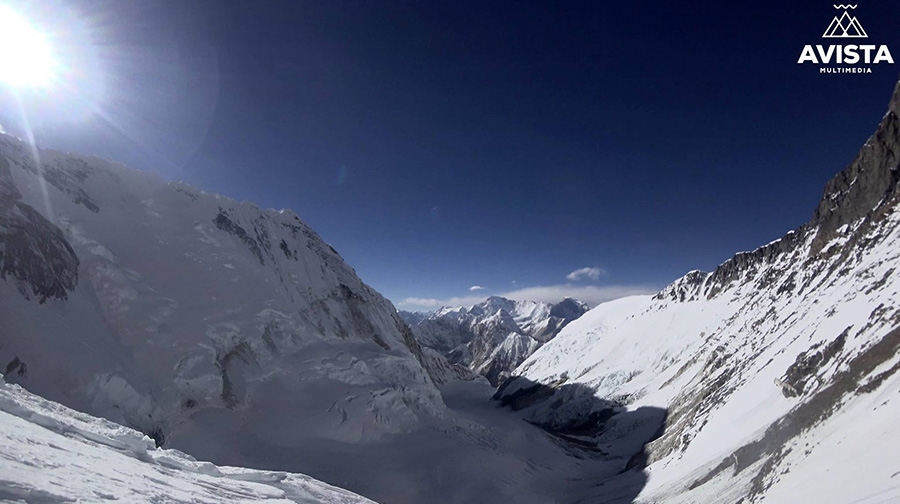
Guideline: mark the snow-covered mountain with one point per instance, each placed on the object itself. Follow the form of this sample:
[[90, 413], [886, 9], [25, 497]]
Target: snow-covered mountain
[[178, 312], [236, 335], [778, 371], [54, 454], [492, 337]]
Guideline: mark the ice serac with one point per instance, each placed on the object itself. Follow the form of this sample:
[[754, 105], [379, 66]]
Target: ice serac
[[779, 366], [492, 337], [193, 317]]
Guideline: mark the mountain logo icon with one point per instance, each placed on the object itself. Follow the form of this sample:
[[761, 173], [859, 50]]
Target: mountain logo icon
[[845, 26]]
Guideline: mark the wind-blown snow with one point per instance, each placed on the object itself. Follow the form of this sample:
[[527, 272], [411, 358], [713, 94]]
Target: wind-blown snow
[[52, 454]]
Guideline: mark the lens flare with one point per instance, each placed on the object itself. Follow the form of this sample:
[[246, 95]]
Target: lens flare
[[26, 58]]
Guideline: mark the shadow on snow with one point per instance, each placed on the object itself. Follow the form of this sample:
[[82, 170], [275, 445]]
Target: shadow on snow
[[590, 428]]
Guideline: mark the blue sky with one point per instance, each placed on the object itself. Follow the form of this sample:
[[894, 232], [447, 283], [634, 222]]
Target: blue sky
[[444, 145]]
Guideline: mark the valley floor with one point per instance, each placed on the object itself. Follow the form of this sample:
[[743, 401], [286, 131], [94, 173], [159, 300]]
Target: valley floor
[[479, 452]]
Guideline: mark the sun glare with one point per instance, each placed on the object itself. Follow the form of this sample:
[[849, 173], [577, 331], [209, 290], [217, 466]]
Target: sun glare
[[25, 55]]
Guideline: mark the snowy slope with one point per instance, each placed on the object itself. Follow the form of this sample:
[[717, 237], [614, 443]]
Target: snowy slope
[[174, 311], [777, 371], [492, 337], [236, 335], [54, 454]]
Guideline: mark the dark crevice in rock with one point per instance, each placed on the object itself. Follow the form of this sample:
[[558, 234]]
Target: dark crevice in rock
[[158, 436], [358, 319], [225, 361], [16, 366], [224, 222], [290, 254], [187, 193]]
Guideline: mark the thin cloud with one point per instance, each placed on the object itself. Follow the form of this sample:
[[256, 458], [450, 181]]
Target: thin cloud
[[430, 303], [476, 288], [590, 294], [592, 273]]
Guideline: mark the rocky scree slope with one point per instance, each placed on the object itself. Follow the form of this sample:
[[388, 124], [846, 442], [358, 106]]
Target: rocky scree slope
[[778, 371], [493, 337]]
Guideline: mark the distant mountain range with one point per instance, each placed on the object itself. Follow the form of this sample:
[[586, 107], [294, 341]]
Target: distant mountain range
[[492, 337]]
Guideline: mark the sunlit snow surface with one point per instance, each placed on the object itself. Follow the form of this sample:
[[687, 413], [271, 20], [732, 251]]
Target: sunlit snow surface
[[713, 363], [50, 453]]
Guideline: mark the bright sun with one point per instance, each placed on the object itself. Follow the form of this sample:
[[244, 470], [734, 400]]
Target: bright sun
[[25, 56]]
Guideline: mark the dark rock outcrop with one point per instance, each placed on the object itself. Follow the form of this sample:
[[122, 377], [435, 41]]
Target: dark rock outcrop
[[860, 195], [869, 182], [33, 251]]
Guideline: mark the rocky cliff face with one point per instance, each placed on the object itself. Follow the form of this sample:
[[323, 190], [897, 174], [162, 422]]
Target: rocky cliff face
[[869, 183], [192, 316], [779, 365], [493, 337], [855, 200]]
